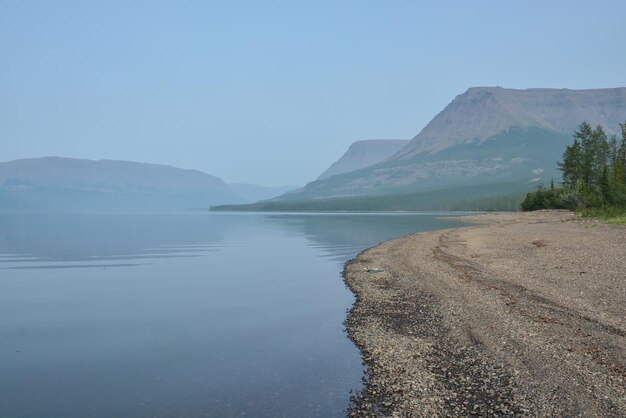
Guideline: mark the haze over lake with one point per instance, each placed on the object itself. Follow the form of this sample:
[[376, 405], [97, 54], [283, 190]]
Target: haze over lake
[[188, 314]]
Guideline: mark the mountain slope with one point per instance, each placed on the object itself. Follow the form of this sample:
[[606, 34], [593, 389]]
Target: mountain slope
[[483, 112], [54, 183], [254, 193], [484, 137], [364, 153]]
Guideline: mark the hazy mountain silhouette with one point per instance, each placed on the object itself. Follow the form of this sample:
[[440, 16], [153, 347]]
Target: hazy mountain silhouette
[[364, 153], [254, 193], [68, 184]]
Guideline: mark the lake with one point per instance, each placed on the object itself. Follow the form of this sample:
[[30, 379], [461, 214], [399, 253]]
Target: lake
[[182, 314]]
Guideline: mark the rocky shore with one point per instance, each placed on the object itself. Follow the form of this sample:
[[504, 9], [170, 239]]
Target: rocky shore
[[522, 315]]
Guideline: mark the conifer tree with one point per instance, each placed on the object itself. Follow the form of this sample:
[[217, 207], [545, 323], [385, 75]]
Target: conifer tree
[[594, 174], [621, 151], [605, 187], [585, 136], [571, 166], [601, 153], [613, 156]]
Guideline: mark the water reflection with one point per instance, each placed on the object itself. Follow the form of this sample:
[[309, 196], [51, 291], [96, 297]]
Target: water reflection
[[99, 240], [341, 236], [181, 314]]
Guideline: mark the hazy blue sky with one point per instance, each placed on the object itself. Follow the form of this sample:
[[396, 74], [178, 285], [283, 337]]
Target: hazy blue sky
[[273, 92]]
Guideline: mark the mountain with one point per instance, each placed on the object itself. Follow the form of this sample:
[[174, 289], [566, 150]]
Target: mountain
[[254, 193], [364, 153], [67, 184], [482, 113], [485, 137]]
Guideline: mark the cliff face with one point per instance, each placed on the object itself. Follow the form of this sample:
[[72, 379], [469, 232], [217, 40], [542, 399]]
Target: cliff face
[[483, 112], [485, 136], [364, 153]]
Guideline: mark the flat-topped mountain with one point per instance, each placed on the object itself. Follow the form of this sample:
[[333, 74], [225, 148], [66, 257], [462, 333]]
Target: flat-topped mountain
[[487, 140], [54, 183], [364, 153], [483, 112]]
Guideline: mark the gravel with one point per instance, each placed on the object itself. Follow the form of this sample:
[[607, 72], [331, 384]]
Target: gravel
[[522, 315]]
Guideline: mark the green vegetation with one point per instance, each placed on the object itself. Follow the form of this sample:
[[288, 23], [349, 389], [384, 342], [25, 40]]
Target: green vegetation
[[490, 175], [508, 157], [505, 197], [619, 220], [594, 177]]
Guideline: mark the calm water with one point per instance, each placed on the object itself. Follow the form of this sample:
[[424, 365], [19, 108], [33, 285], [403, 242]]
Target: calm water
[[194, 314]]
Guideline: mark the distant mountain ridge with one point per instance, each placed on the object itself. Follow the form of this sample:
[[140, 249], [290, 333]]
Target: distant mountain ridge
[[56, 183], [364, 153], [104, 174]]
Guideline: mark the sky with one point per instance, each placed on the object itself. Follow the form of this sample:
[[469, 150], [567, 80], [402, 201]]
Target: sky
[[272, 93]]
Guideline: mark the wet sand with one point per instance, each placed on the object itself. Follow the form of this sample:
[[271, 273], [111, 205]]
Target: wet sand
[[523, 314]]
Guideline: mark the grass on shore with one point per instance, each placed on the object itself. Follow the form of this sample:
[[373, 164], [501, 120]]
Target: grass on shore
[[618, 220], [610, 214]]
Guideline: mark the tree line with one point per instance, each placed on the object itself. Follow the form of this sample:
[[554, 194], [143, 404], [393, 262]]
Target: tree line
[[504, 197], [594, 175]]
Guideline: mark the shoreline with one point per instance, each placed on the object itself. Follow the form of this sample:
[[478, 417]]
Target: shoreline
[[521, 314]]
